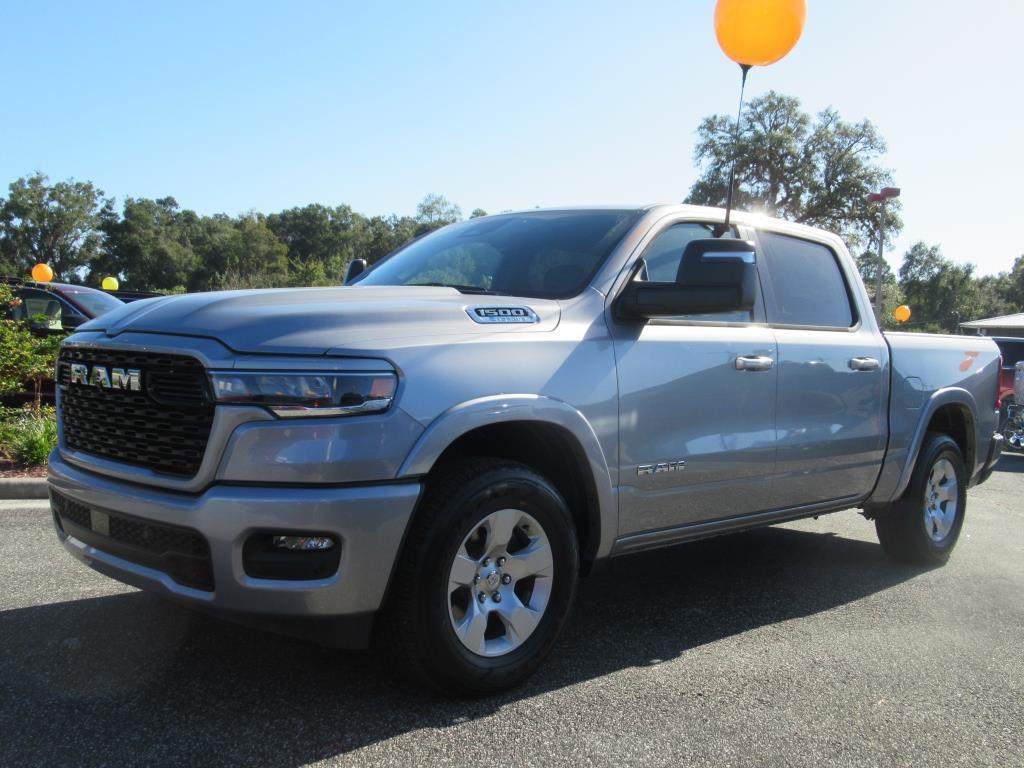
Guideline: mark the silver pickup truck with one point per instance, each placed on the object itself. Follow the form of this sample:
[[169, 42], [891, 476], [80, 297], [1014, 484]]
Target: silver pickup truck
[[436, 451]]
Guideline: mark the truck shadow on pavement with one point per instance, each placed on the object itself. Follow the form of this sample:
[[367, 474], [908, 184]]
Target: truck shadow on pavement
[[130, 679]]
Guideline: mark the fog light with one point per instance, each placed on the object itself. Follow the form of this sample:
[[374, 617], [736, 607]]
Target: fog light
[[303, 543]]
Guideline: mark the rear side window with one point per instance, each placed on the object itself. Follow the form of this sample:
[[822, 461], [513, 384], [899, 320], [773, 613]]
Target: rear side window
[[807, 283]]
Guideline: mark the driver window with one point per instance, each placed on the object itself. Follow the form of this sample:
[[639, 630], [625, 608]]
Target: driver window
[[661, 263]]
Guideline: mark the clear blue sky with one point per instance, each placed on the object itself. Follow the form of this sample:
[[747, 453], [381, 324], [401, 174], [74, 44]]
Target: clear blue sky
[[253, 105]]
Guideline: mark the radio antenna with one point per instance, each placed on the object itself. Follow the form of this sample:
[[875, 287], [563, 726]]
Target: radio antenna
[[744, 68]]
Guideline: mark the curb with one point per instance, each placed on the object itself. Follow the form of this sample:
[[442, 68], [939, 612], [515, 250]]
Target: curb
[[23, 488]]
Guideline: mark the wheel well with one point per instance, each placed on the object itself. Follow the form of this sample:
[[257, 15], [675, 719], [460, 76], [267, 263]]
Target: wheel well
[[551, 451], [956, 421]]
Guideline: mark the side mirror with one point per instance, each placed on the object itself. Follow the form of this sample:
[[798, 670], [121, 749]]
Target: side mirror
[[713, 276], [356, 267]]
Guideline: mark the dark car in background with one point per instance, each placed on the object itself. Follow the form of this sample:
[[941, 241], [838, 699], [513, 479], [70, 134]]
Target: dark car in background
[[55, 307]]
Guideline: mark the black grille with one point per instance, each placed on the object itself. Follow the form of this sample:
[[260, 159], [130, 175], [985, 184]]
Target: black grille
[[181, 553], [165, 427]]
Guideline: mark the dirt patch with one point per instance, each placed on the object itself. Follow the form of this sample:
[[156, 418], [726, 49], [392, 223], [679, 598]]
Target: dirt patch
[[10, 469]]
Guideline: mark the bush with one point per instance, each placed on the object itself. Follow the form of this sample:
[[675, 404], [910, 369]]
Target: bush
[[30, 435], [25, 360]]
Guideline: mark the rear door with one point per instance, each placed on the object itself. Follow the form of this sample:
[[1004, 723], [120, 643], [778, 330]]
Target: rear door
[[833, 380], [696, 432]]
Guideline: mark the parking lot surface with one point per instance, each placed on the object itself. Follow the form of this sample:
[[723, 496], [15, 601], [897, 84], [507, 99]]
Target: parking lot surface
[[789, 646]]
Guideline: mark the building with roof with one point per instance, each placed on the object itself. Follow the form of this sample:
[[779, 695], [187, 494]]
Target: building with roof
[[1004, 325]]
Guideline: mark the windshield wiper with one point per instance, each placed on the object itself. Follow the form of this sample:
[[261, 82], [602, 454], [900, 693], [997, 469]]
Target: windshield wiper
[[460, 288]]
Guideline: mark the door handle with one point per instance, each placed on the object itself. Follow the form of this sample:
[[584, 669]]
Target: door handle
[[864, 364], [754, 363]]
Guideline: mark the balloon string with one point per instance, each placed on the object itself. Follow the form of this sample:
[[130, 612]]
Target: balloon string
[[736, 154]]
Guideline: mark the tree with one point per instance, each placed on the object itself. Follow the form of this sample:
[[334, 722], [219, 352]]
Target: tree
[[148, 247], [238, 253], [816, 171], [385, 234], [1015, 283], [940, 293], [436, 211], [996, 296], [477, 213], [892, 295], [321, 241], [54, 224]]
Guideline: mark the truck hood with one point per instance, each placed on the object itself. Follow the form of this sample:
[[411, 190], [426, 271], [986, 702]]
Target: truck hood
[[315, 321]]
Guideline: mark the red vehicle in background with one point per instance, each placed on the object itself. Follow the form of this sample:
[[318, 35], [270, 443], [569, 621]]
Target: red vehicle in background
[[1012, 350]]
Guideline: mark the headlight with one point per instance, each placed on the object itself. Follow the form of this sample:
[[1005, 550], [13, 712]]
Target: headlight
[[298, 395]]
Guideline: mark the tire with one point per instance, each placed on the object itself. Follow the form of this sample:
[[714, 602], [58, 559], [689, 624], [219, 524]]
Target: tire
[[432, 622], [922, 528]]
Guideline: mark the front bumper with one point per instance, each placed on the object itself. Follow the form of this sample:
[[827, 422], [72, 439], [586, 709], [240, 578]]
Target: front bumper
[[368, 521]]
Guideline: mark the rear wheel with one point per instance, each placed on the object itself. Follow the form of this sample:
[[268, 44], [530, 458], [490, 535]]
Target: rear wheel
[[485, 580], [923, 526]]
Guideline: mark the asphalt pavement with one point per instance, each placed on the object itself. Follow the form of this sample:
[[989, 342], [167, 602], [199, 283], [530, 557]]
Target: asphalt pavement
[[798, 645]]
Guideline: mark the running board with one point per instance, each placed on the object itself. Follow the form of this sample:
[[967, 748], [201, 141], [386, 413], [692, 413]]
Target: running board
[[664, 537]]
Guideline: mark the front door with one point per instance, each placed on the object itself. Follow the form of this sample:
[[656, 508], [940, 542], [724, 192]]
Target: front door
[[696, 429]]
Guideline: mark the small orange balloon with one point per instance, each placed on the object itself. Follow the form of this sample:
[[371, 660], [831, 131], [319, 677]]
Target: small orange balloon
[[901, 313], [759, 32], [42, 273]]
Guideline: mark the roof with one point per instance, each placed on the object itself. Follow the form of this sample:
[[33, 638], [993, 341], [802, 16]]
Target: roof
[[1003, 321]]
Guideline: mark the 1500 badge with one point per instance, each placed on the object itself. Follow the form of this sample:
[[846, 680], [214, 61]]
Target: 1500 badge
[[488, 315]]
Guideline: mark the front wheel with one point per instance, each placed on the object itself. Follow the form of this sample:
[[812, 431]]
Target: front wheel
[[486, 578], [923, 526]]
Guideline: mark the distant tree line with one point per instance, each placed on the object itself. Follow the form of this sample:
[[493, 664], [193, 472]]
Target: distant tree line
[[812, 169], [156, 245]]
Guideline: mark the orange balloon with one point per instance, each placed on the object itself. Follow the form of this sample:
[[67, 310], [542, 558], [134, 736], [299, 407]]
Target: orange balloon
[[759, 32], [901, 313], [42, 273]]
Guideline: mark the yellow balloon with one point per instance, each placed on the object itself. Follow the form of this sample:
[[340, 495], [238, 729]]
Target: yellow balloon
[[759, 32], [901, 313], [42, 273], [109, 284]]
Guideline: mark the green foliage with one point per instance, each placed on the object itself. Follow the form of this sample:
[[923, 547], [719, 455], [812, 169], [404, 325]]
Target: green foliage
[[53, 223], [25, 359], [244, 246], [811, 169], [28, 436], [816, 171], [155, 245], [940, 293], [1015, 282], [436, 211], [149, 246]]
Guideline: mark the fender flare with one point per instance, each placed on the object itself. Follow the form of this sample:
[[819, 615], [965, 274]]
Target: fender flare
[[495, 409], [939, 399]]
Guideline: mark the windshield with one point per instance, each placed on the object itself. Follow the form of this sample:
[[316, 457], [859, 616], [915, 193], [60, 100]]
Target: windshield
[[95, 303], [548, 254]]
